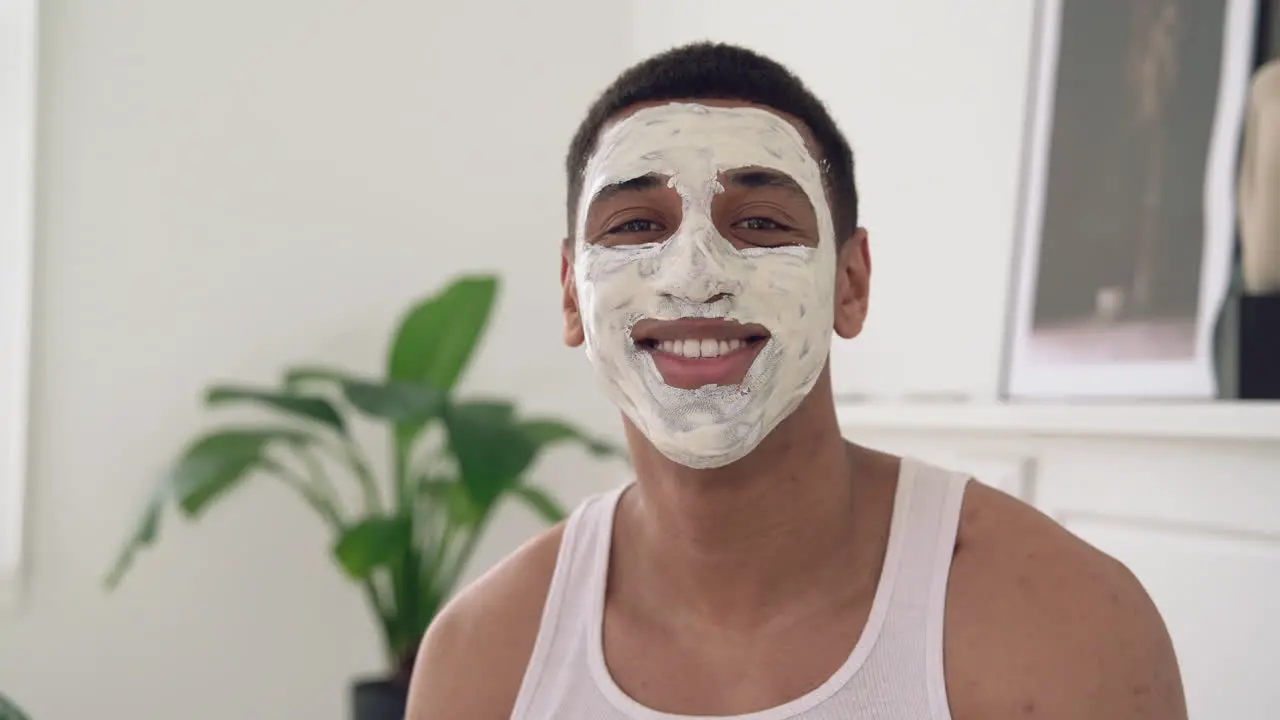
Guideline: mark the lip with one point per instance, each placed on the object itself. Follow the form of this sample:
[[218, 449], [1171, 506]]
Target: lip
[[691, 373], [699, 328]]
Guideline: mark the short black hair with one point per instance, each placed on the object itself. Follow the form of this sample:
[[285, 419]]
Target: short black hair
[[719, 71]]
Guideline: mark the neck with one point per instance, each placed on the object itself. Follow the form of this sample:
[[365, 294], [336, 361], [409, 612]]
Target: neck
[[736, 545]]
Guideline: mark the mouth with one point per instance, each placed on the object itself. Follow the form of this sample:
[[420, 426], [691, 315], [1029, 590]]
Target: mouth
[[697, 352]]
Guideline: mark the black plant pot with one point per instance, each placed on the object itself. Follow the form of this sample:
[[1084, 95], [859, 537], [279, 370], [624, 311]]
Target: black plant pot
[[379, 699]]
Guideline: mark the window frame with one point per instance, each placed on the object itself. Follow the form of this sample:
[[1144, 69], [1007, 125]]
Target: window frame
[[18, 53]]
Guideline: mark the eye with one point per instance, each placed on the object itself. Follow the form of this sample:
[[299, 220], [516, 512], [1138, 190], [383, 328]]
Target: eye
[[634, 226], [760, 223]]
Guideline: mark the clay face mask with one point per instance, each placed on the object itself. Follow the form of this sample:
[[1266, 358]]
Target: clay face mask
[[695, 272]]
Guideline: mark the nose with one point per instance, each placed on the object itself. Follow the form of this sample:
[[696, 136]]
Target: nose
[[697, 266]]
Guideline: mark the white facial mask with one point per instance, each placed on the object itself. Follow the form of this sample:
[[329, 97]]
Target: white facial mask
[[788, 290]]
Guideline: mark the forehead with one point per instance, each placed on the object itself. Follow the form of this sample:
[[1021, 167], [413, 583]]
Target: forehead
[[692, 142], [806, 136]]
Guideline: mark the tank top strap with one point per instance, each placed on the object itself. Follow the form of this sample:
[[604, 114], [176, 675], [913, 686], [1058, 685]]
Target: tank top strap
[[580, 573], [917, 608]]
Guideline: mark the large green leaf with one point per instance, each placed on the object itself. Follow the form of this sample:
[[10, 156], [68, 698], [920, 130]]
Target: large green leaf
[[546, 432], [495, 413], [491, 449], [372, 543], [540, 502], [298, 377], [9, 710], [437, 337], [218, 461], [310, 407], [397, 401], [144, 533], [453, 497], [208, 468]]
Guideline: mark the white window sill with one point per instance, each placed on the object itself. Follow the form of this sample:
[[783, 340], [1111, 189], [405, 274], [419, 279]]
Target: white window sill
[[1241, 421]]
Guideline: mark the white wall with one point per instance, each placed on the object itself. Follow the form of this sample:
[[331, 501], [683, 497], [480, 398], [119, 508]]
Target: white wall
[[225, 187]]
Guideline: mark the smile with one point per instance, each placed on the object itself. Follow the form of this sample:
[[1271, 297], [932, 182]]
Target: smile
[[695, 348], [697, 352]]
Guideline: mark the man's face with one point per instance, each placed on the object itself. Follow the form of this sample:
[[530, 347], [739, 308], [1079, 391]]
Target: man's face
[[704, 268]]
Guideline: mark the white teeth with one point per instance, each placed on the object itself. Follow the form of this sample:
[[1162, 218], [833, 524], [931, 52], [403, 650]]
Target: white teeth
[[705, 348]]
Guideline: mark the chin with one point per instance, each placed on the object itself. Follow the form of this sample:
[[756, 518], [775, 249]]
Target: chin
[[706, 448]]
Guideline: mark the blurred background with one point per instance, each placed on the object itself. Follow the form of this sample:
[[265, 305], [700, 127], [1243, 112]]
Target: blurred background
[[223, 189]]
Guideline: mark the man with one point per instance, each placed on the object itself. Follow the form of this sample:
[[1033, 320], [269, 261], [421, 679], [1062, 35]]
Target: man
[[760, 566]]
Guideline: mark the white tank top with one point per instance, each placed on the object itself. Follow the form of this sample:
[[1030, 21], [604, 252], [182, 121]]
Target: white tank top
[[893, 673]]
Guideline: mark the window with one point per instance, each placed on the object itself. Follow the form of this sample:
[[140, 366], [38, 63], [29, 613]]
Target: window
[[17, 160]]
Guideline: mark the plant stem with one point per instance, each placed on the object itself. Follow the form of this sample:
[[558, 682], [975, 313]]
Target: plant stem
[[308, 491], [400, 472], [453, 572], [448, 536], [325, 507], [384, 615], [321, 479], [355, 457], [348, 453]]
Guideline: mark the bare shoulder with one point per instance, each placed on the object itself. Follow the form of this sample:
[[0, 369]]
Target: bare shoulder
[[1042, 624], [472, 660]]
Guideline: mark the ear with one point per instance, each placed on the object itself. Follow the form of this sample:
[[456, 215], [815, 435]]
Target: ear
[[573, 333], [853, 284]]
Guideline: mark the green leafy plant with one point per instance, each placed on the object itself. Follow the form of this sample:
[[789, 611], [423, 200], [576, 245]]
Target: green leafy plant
[[9, 710], [412, 531]]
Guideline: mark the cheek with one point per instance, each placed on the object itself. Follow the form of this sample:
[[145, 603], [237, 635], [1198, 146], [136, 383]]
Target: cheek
[[783, 285], [609, 294]]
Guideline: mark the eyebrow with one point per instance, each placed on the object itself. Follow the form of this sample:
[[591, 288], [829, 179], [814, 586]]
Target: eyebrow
[[636, 184], [757, 178], [751, 179]]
